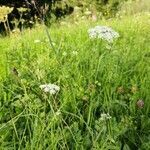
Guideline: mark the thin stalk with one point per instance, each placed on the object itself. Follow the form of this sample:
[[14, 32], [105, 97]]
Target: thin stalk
[[8, 27], [5, 26]]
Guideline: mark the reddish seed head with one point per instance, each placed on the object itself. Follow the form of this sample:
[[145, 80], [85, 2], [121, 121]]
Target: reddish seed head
[[140, 103]]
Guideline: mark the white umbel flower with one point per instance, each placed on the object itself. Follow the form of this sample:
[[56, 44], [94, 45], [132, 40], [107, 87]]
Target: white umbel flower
[[105, 116], [104, 33], [50, 88]]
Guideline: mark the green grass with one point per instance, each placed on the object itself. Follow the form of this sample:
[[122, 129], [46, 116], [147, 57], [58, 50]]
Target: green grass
[[92, 79]]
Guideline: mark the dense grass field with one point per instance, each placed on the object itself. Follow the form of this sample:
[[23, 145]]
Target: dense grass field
[[101, 87]]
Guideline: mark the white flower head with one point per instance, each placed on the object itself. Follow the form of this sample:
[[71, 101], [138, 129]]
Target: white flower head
[[50, 88], [105, 116], [104, 33]]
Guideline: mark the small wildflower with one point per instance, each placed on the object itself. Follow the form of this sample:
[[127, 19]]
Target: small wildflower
[[31, 22], [104, 33], [75, 53], [105, 116], [58, 113], [50, 88], [140, 104], [37, 41], [64, 53]]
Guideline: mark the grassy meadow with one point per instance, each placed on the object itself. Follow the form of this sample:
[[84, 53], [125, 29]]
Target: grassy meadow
[[95, 80]]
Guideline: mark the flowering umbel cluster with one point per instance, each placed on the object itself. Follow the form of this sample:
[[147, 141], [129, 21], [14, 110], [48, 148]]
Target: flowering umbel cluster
[[104, 33], [50, 88], [105, 116]]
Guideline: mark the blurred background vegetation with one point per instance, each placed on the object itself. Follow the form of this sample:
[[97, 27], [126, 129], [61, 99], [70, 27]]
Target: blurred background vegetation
[[17, 14]]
